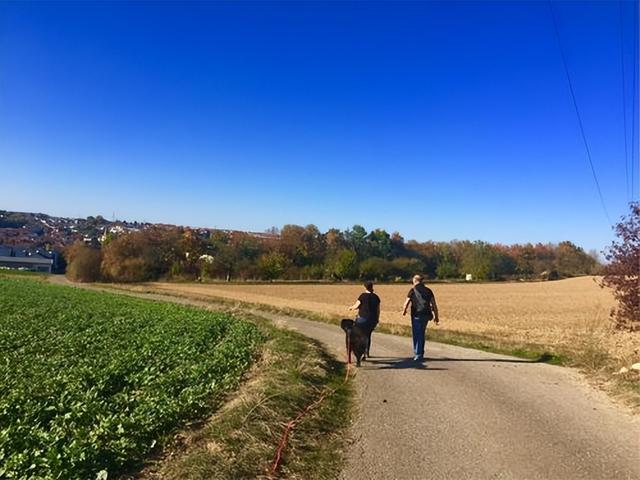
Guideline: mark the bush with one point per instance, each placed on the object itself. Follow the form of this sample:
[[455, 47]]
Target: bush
[[405, 268], [375, 268], [343, 264], [83, 263], [272, 265], [141, 256], [623, 272]]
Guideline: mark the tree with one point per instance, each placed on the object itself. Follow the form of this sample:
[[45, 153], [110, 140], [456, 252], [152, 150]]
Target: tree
[[292, 244], [525, 258], [623, 271], [343, 264], [479, 260], [447, 266], [272, 265], [375, 268], [356, 238], [572, 260], [335, 240], [83, 263], [141, 256], [245, 251], [378, 244], [398, 248], [303, 246], [544, 258], [406, 268], [429, 253]]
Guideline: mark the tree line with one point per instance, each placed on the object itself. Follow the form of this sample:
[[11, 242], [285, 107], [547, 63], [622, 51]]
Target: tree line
[[305, 253]]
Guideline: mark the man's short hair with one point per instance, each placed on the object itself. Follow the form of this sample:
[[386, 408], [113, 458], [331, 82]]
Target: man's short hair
[[369, 286], [418, 278]]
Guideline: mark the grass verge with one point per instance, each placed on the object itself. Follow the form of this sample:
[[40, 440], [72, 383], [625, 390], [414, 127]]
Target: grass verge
[[240, 440]]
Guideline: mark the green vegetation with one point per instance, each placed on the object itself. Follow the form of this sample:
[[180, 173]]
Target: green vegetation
[[90, 381], [305, 253], [240, 440]]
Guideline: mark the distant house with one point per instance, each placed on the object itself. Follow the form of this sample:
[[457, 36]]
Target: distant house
[[24, 259]]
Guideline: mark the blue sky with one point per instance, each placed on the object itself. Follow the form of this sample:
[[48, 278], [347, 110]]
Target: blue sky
[[438, 120]]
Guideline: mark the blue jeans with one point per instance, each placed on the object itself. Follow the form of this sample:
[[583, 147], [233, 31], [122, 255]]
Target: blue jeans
[[418, 329], [367, 324]]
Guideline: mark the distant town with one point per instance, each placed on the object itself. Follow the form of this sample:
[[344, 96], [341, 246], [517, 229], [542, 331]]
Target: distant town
[[35, 241]]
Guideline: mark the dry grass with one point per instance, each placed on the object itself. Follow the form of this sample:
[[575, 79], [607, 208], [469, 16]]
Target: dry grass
[[546, 313]]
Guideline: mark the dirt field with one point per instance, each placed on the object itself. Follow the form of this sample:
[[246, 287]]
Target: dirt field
[[558, 314]]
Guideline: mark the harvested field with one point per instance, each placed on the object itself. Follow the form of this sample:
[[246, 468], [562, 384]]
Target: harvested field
[[569, 314]]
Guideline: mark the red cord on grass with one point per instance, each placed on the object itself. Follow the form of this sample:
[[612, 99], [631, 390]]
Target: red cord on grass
[[285, 435]]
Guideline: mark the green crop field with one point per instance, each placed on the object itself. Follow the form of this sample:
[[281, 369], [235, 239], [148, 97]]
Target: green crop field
[[90, 381]]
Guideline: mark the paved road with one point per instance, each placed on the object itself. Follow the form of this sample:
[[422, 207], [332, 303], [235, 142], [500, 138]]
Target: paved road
[[471, 414]]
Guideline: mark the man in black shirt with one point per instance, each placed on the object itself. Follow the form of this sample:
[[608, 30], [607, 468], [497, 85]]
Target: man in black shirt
[[423, 309], [368, 306]]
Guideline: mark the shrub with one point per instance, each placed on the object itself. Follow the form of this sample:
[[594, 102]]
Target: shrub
[[83, 263], [271, 265], [376, 268], [343, 264], [405, 268], [141, 256], [623, 272]]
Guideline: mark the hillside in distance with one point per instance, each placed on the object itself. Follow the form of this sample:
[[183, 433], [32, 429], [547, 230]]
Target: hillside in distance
[[32, 230]]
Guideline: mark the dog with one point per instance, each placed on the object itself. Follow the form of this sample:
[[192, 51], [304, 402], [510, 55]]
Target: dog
[[358, 336]]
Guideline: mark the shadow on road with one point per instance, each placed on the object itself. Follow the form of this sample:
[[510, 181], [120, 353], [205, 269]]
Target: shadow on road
[[492, 360], [397, 364]]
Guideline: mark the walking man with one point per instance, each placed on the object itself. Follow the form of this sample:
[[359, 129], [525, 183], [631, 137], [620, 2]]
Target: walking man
[[423, 309]]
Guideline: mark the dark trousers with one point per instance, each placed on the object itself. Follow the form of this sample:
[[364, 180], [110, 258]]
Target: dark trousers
[[418, 330], [369, 326]]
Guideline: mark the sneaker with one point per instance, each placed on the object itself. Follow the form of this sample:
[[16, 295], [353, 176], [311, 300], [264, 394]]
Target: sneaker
[[416, 358]]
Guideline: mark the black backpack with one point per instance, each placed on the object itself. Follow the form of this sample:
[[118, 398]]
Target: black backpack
[[421, 305]]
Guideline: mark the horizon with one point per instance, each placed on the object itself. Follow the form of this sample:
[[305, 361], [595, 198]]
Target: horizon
[[253, 115], [599, 253]]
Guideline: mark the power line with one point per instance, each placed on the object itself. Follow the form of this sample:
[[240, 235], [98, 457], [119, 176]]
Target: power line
[[634, 97], [575, 106], [624, 101]]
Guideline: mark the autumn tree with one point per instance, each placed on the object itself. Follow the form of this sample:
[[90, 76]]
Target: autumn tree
[[83, 263], [525, 257], [622, 273], [573, 260], [141, 256]]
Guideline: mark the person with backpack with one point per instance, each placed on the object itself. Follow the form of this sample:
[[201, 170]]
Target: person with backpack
[[423, 309], [368, 306]]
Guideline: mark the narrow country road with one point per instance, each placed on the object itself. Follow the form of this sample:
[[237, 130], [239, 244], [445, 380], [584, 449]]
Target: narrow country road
[[471, 414]]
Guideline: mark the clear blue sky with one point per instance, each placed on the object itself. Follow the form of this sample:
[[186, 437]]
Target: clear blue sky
[[438, 120]]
